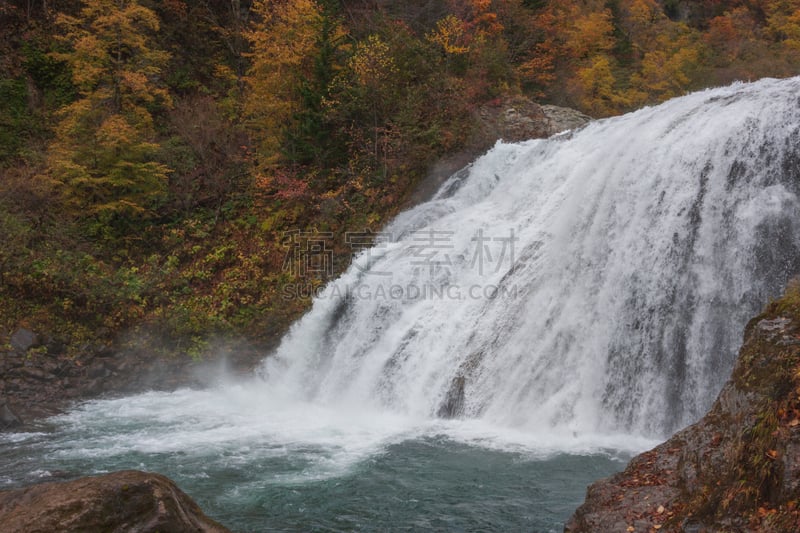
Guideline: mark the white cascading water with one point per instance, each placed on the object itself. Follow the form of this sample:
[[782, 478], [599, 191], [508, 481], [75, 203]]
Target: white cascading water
[[624, 260]]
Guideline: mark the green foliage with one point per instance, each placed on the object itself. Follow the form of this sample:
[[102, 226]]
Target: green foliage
[[310, 140], [15, 126]]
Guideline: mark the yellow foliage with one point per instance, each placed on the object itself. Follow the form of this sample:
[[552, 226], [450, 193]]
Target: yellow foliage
[[372, 63], [666, 72], [642, 21], [450, 35], [102, 151], [783, 23], [591, 34], [115, 132], [284, 42], [595, 84]]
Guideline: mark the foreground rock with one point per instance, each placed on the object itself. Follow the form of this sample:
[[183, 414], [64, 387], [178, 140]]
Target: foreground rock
[[738, 468], [128, 501]]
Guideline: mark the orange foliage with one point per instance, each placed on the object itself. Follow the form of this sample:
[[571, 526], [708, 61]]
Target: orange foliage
[[283, 184]]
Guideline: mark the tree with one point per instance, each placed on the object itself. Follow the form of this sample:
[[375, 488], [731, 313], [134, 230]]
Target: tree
[[450, 35], [668, 70], [286, 39], [731, 35], [590, 34], [783, 24], [310, 140], [104, 152], [640, 22], [595, 87]]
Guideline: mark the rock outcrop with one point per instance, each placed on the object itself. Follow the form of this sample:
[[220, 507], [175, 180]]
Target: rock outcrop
[[738, 468], [510, 119], [127, 501], [23, 340], [560, 119], [518, 118], [453, 405]]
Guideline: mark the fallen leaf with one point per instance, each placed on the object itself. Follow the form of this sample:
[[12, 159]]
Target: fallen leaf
[[772, 454], [660, 509], [631, 529]]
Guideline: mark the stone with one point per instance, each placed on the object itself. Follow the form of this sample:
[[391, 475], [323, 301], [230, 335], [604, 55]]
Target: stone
[[23, 340], [8, 418], [97, 370], [560, 119], [453, 405], [128, 501]]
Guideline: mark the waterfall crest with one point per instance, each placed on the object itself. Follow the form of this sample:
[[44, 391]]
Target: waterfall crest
[[596, 281]]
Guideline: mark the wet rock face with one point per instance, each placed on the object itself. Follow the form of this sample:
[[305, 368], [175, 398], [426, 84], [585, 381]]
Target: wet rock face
[[453, 405], [128, 501], [738, 468]]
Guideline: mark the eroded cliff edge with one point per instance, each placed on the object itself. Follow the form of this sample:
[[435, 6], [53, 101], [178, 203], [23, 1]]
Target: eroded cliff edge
[[738, 468]]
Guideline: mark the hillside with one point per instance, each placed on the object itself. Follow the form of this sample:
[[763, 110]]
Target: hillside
[[184, 172]]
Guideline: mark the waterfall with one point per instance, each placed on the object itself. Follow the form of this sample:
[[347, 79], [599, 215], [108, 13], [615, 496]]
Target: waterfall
[[596, 281]]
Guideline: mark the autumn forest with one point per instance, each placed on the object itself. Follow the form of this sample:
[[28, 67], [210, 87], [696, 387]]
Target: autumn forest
[[154, 156]]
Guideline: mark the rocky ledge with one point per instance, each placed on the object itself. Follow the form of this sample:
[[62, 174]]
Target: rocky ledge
[[130, 501], [738, 468]]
